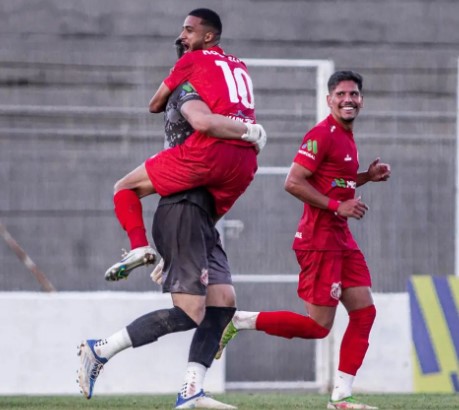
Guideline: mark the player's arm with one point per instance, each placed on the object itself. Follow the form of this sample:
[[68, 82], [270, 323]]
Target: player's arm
[[298, 185], [201, 118], [178, 75], [377, 171], [159, 100]]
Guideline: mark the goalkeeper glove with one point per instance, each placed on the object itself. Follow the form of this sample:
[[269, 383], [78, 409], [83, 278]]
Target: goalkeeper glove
[[180, 50], [157, 274], [255, 134]]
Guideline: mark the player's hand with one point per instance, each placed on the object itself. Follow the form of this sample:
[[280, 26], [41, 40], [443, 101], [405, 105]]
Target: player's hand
[[180, 50], [353, 208], [255, 134], [378, 171], [157, 274]]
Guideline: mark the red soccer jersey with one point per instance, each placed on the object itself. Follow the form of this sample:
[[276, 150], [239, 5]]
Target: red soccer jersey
[[330, 153], [223, 83]]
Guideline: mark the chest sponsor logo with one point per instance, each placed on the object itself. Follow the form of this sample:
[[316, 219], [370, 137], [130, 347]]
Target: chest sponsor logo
[[342, 183]]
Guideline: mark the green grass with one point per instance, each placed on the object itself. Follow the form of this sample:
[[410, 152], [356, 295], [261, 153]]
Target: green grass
[[244, 401]]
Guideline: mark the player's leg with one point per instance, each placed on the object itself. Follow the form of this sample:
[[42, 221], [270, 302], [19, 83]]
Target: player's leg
[[95, 353], [175, 235], [220, 308], [128, 209], [314, 288], [358, 301]]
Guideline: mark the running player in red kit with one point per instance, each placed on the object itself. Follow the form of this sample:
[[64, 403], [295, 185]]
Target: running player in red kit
[[324, 176], [225, 167]]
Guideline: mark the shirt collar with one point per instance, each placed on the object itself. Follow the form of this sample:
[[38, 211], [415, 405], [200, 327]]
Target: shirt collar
[[332, 121]]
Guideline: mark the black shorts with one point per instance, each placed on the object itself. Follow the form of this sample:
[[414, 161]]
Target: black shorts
[[186, 237]]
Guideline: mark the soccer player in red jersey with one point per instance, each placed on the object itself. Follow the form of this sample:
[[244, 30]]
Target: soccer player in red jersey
[[324, 176], [225, 167]]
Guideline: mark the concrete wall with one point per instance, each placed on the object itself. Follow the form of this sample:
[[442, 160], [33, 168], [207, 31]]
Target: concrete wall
[[76, 77], [42, 331]]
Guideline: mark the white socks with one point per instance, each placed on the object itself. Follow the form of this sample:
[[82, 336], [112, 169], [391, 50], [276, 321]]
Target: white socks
[[114, 344], [343, 386], [245, 320], [194, 379]]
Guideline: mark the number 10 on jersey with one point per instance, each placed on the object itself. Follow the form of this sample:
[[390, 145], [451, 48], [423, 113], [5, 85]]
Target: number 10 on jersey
[[239, 84]]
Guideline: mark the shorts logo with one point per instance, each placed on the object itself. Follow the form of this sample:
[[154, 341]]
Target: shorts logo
[[335, 291], [204, 276]]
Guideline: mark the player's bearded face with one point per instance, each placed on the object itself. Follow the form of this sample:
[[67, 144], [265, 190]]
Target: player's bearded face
[[345, 102], [194, 34]]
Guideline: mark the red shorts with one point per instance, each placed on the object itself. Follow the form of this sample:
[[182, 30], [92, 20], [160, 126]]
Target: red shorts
[[324, 274], [226, 170]]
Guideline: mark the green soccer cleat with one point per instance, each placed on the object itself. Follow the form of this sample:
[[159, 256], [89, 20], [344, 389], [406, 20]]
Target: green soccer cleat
[[349, 403], [229, 333]]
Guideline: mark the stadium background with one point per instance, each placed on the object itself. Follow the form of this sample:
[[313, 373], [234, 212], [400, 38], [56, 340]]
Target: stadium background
[[75, 81]]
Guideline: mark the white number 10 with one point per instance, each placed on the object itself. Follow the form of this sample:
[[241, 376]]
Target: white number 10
[[239, 84]]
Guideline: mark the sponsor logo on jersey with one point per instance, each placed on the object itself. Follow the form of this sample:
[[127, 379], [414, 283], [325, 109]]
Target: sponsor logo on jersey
[[299, 235], [347, 158], [342, 183], [241, 117], [333, 128], [187, 90], [309, 149], [335, 290]]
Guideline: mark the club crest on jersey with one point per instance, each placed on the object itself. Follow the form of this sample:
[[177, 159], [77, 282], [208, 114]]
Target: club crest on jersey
[[335, 290], [204, 276]]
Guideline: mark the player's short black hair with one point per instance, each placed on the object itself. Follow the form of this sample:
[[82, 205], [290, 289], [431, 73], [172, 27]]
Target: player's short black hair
[[339, 76], [209, 18]]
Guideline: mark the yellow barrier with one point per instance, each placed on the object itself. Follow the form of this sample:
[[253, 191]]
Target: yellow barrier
[[434, 305]]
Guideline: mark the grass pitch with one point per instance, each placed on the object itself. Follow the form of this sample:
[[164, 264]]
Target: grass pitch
[[244, 401]]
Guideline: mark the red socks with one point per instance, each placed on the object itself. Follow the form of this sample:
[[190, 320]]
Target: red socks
[[128, 210], [355, 340], [289, 324]]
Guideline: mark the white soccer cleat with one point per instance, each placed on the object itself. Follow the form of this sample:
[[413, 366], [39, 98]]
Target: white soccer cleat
[[201, 401], [90, 366], [137, 257], [349, 403]]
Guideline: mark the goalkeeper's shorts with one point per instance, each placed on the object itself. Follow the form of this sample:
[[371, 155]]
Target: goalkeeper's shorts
[[186, 238]]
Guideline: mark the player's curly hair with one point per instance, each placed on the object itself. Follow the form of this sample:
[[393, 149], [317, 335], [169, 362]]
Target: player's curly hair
[[340, 76], [209, 18]]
